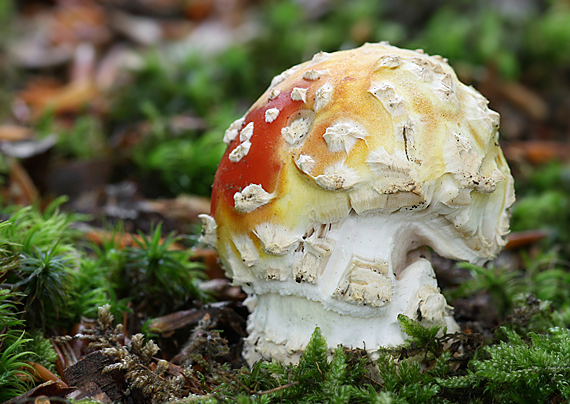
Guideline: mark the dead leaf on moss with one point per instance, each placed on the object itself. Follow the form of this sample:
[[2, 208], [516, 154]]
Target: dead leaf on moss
[[48, 96], [22, 190], [12, 133], [79, 21], [522, 239], [537, 151], [184, 208], [47, 389]]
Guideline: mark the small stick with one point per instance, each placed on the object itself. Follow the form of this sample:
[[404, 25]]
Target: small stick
[[276, 389]]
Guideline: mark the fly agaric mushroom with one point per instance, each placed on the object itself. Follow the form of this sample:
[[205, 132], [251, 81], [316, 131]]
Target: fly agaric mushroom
[[335, 182]]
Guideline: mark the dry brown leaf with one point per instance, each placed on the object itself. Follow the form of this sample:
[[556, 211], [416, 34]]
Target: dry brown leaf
[[522, 239], [99, 236], [48, 96], [114, 65], [41, 373], [47, 389], [79, 21], [177, 320], [141, 30], [22, 189], [184, 208], [524, 98], [14, 133], [199, 10], [210, 259], [537, 151]]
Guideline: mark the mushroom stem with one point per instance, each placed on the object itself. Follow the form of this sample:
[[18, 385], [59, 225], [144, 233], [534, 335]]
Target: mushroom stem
[[280, 326], [376, 271]]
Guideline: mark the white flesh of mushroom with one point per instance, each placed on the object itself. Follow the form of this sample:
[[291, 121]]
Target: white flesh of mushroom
[[369, 271]]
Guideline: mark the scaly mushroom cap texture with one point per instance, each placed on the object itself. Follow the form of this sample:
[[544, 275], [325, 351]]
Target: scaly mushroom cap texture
[[333, 184]]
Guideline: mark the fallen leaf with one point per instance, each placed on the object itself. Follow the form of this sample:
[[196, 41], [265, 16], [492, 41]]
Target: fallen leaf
[[71, 97], [22, 189], [184, 208], [14, 133], [522, 239], [537, 151], [41, 373], [49, 389], [142, 30], [525, 99], [99, 236]]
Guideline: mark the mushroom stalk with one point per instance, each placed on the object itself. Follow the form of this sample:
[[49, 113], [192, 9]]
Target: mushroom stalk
[[377, 270]]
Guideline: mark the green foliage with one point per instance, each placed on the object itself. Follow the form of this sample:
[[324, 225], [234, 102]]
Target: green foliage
[[185, 164], [548, 210], [47, 261], [402, 370], [188, 85], [12, 367], [12, 343], [512, 368], [59, 282], [420, 337], [518, 371], [46, 280], [500, 283], [32, 229], [315, 379], [480, 37], [548, 37], [92, 289], [156, 276], [548, 278], [407, 381], [517, 366], [41, 350], [84, 140], [7, 70]]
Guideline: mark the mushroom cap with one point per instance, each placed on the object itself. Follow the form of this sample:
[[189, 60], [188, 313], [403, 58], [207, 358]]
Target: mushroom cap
[[375, 130]]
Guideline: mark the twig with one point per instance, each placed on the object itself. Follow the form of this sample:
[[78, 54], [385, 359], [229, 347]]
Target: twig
[[241, 384], [374, 381], [276, 389], [319, 369]]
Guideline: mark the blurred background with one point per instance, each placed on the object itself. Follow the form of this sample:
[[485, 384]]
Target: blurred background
[[113, 102], [112, 114]]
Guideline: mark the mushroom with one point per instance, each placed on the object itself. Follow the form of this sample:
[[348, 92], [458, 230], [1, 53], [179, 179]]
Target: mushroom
[[336, 184]]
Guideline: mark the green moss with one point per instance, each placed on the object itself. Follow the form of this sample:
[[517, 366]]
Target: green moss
[[155, 277]]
